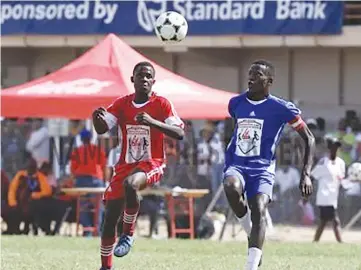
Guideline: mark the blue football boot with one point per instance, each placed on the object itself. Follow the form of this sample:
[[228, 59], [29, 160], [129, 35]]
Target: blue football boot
[[123, 246]]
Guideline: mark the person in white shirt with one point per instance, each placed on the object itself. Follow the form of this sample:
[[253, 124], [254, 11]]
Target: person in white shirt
[[38, 144], [329, 172], [216, 166], [287, 179], [203, 158]]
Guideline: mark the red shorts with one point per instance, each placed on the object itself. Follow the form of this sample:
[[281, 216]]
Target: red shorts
[[153, 169]]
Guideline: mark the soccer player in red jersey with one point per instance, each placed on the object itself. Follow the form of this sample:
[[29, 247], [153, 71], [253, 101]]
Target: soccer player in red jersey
[[143, 118]]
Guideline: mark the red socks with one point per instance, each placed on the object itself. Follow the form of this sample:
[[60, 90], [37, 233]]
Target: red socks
[[129, 220], [106, 252]]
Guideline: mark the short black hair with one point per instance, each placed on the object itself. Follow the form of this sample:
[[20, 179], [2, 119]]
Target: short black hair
[[270, 67], [143, 64]]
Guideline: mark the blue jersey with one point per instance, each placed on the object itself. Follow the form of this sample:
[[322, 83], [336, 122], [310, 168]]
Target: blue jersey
[[257, 132]]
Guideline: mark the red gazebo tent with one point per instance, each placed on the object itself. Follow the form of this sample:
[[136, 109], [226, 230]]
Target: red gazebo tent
[[99, 77]]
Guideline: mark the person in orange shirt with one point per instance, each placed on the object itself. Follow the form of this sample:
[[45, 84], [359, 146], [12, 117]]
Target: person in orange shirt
[[87, 165], [26, 195]]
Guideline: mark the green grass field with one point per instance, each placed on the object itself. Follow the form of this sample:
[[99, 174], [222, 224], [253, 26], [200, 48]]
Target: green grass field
[[63, 253]]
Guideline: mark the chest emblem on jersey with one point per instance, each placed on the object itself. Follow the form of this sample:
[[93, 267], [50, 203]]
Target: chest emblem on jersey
[[138, 143], [249, 134]]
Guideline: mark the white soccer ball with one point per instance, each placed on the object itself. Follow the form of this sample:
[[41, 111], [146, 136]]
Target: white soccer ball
[[171, 27], [354, 172]]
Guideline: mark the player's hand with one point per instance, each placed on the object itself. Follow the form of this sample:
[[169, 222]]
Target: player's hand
[[144, 119], [305, 186], [99, 113]]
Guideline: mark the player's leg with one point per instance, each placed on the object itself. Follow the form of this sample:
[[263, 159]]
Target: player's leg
[[146, 173], [322, 223], [258, 205], [113, 210], [134, 182], [336, 223], [259, 193], [234, 184], [321, 226]]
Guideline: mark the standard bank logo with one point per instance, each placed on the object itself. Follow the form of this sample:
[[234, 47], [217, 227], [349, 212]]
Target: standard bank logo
[[148, 12], [229, 10], [192, 10]]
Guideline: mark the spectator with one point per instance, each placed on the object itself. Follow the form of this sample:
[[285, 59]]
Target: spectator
[[357, 147], [54, 209], [203, 158], [172, 156], [347, 139], [12, 147], [26, 193], [38, 144], [320, 145], [87, 161], [329, 173], [187, 145], [203, 163], [287, 179], [4, 202], [351, 120], [67, 203], [186, 169], [216, 165], [87, 166]]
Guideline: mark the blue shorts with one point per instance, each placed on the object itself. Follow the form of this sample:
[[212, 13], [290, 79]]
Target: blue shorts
[[253, 181]]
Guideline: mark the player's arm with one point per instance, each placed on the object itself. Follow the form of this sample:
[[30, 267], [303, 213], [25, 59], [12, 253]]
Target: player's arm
[[100, 125], [105, 119], [172, 130], [310, 148], [345, 183], [13, 187], [292, 116], [169, 123], [309, 144], [231, 144], [45, 189]]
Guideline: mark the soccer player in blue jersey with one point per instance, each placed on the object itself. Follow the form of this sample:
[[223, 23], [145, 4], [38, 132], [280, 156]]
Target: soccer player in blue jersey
[[250, 157]]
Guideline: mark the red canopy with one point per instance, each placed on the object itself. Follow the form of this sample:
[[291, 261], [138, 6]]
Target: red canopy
[[100, 76]]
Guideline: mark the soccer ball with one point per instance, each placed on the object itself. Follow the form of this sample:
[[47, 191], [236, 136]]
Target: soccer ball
[[354, 172], [171, 27]]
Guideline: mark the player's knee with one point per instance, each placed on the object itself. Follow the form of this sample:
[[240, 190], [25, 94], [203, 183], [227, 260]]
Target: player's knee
[[230, 183], [129, 183], [336, 222]]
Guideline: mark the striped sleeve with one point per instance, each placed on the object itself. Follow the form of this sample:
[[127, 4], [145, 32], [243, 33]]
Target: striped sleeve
[[170, 116], [292, 116], [297, 123], [113, 112]]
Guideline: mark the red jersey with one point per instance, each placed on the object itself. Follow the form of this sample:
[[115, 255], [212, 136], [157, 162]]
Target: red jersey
[[141, 142]]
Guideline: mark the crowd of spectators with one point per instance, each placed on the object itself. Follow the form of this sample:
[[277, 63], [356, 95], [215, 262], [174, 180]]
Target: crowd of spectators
[[31, 192]]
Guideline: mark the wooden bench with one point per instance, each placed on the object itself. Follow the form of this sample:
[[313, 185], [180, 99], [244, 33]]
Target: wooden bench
[[177, 197]]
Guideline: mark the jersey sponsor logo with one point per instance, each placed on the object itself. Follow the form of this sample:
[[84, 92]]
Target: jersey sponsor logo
[[249, 135], [138, 143]]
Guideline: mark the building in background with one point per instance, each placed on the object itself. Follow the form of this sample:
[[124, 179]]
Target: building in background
[[315, 47]]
